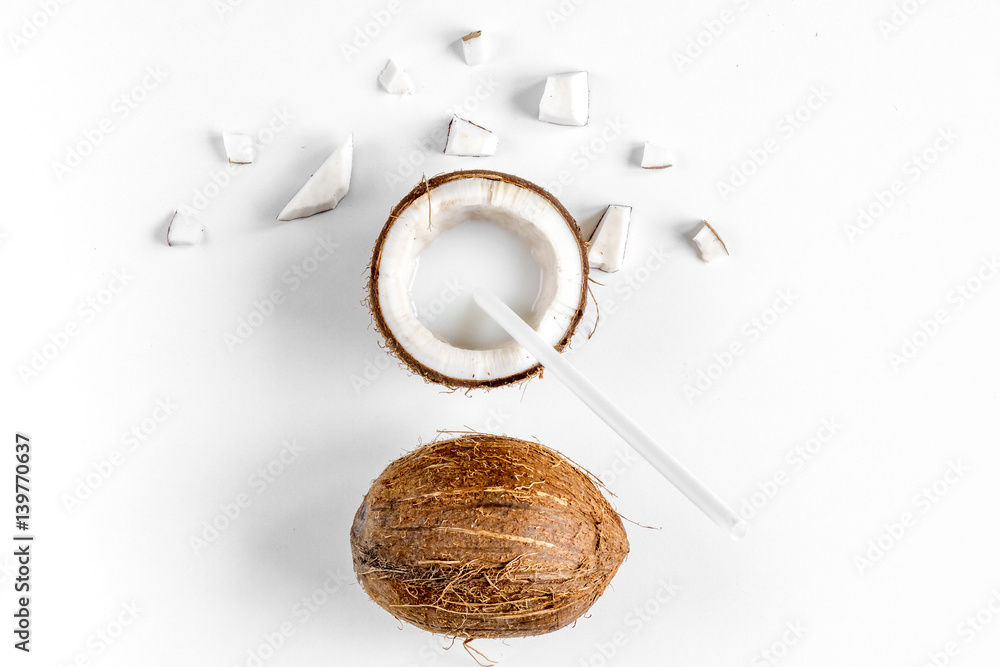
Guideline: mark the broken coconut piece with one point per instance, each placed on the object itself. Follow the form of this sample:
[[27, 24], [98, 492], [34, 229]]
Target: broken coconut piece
[[395, 80], [473, 48], [468, 139], [325, 188], [607, 245], [240, 148], [566, 99], [442, 203], [184, 230], [655, 157], [709, 244]]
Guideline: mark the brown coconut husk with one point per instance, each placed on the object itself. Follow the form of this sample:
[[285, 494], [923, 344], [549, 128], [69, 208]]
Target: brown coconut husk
[[486, 536], [396, 348]]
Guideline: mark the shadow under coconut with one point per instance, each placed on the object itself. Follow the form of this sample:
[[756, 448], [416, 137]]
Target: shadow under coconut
[[527, 99], [635, 155]]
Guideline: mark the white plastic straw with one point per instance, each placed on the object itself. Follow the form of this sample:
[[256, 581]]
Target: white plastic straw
[[594, 398]]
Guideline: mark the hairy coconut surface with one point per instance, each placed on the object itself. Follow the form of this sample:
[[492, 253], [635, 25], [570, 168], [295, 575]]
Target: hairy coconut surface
[[429, 356], [486, 536]]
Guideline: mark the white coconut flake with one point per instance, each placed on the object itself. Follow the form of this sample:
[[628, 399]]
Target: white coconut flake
[[655, 157], [184, 230], [395, 80], [468, 139], [607, 245], [566, 99], [709, 244], [240, 148], [325, 188], [474, 49]]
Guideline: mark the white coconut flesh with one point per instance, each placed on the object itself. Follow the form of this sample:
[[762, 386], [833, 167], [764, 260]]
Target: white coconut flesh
[[395, 80], [184, 230], [565, 100], [529, 216], [473, 49], [240, 148], [710, 245], [470, 140], [607, 245], [326, 188], [655, 157]]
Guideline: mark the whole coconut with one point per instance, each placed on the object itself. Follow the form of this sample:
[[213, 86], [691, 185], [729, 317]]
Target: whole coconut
[[486, 536]]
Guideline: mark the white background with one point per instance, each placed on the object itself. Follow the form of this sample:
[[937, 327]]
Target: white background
[[301, 375]]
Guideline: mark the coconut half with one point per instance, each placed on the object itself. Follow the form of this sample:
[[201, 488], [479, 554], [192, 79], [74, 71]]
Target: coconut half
[[442, 203]]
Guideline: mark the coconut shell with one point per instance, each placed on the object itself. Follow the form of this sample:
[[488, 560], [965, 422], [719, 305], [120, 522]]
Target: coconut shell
[[486, 536], [394, 347]]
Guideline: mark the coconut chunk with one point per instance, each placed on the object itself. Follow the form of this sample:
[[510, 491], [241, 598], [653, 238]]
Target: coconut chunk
[[325, 188], [395, 80], [607, 245], [473, 48], [468, 139], [566, 99], [655, 157], [709, 244], [240, 148], [184, 230]]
